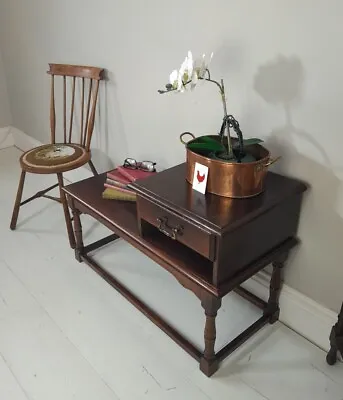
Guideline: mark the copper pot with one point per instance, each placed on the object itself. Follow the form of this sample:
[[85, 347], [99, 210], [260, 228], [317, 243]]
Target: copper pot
[[230, 179]]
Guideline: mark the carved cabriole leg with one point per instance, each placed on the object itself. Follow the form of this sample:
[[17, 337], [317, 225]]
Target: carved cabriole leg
[[78, 232], [208, 362], [273, 308], [336, 340]]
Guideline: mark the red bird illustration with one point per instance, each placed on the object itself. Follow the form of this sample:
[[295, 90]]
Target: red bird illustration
[[200, 177]]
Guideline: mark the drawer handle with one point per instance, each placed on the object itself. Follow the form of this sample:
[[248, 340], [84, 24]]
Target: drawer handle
[[169, 230]]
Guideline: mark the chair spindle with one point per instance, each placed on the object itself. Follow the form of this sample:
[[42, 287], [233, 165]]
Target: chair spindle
[[92, 116], [72, 109], [82, 108], [65, 108], [87, 115], [52, 110]]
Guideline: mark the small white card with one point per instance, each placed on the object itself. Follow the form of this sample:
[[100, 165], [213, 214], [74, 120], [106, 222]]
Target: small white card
[[200, 178]]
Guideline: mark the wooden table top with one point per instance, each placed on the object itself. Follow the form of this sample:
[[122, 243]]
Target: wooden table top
[[217, 213]]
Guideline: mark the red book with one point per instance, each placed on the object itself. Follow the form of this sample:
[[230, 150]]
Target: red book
[[115, 175], [134, 174]]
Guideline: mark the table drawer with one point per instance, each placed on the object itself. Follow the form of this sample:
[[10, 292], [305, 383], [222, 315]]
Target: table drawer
[[175, 227]]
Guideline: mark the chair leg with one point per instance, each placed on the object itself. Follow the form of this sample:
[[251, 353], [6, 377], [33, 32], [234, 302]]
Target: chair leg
[[95, 172], [66, 212], [18, 201]]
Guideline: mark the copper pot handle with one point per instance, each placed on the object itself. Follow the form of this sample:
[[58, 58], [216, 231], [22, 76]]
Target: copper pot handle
[[268, 163], [271, 161], [183, 134]]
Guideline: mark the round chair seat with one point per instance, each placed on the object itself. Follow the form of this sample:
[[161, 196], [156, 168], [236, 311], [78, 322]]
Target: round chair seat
[[54, 158]]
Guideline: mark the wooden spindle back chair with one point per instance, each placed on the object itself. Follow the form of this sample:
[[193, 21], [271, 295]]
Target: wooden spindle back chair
[[73, 151]]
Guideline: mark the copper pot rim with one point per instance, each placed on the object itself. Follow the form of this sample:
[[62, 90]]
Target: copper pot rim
[[263, 159]]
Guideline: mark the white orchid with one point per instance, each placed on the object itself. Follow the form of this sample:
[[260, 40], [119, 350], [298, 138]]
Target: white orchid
[[202, 66], [178, 79], [181, 75], [173, 78], [195, 79], [185, 72], [189, 73]]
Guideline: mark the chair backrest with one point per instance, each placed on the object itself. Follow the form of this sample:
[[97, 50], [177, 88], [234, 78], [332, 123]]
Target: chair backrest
[[88, 79]]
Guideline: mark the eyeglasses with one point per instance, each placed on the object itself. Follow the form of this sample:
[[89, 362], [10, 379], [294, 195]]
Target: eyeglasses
[[143, 165]]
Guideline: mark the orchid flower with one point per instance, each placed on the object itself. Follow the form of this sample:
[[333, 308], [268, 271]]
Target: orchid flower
[[181, 75], [194, 79], [203, 67], [189, 73], [179, 79], [173, 78], [185, 72]]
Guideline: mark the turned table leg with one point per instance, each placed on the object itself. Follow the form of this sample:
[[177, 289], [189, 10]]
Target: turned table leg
[[273, 308], [209, 363], [336, 340], [77, 232]]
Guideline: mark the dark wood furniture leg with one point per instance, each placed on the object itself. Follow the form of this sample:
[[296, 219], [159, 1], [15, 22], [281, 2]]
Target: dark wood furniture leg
[[78, 232], [18, 200], [336, 340], [209, 363], [66, 212], [273, 309]]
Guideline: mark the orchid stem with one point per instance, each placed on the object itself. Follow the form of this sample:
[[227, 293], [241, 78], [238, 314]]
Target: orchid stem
[[229, 144], [213, 81]]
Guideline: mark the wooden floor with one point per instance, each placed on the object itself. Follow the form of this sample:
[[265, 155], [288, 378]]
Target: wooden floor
[[65, 334]]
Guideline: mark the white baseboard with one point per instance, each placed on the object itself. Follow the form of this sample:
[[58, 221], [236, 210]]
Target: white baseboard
[[6, 139], [298, 312], [23, 141]]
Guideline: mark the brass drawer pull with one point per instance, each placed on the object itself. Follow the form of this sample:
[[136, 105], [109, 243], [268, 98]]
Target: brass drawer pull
[[169, 230]]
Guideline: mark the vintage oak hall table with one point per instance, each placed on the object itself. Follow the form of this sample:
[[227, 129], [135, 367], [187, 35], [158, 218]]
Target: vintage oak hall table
[[210, 244]]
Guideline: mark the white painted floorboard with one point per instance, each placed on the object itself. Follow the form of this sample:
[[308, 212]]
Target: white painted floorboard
[[66, 334], [9, 386]]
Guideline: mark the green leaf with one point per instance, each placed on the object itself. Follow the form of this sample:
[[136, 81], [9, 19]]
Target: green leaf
[[206, 146], [206, 143], [214, 142], [207, 139], [251, 141]]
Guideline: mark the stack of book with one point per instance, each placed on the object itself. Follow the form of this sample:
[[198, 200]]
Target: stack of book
[[117, 181]]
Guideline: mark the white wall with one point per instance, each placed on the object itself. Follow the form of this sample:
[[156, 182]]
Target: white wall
[[5, 115], [282, 64]]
